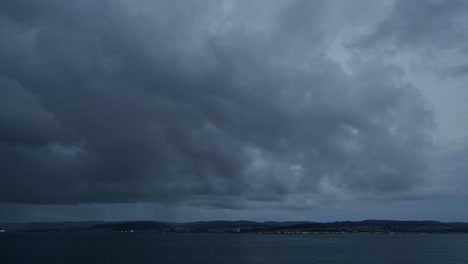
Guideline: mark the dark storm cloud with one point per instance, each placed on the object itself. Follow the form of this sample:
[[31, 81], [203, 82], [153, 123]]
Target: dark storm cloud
[[167, 102]]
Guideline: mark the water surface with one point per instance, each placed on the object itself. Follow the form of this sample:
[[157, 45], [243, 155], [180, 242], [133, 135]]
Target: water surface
[[231, 249]]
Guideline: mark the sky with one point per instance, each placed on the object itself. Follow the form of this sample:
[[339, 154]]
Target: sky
[[226, 110]]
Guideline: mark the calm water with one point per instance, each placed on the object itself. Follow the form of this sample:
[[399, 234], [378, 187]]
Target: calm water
[[231, 249]]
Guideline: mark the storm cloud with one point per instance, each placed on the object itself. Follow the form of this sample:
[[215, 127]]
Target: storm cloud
[[216, 103]]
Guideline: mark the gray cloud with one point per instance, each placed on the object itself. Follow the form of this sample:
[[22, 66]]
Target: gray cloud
[[456, 71], [426, 24], [432, 36], [170, 102]]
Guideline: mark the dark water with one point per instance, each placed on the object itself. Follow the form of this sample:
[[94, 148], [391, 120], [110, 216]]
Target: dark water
[[235, 249]]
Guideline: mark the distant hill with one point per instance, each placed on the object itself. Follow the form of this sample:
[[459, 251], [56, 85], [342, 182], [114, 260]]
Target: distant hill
[[48, 225], [243, 227]]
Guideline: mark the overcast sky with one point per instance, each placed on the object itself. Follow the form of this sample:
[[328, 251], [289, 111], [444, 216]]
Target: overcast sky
[[219, 109]]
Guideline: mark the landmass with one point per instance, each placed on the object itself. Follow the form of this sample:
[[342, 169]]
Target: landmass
[[247, 227]]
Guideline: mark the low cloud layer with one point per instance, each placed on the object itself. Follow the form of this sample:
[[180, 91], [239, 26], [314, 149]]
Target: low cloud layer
[[213, 103]]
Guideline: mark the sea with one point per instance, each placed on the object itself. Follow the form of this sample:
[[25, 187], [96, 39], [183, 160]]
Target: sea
[[233, 248]]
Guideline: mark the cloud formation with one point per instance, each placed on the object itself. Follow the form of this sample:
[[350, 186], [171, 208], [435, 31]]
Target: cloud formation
[[429, 37], [424, 24], [216, 103]]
